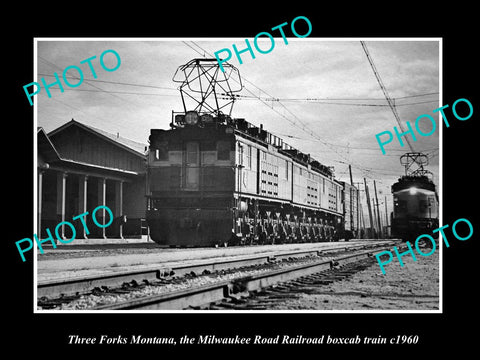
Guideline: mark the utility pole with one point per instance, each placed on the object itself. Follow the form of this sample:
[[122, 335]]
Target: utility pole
[[386, 216], [369, 206], [351, 198], [359, 211], [378, 211], [351, 178], [363, 222]]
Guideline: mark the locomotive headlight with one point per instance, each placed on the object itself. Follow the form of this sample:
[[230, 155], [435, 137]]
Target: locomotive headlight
[[191, 117], [413, 190]]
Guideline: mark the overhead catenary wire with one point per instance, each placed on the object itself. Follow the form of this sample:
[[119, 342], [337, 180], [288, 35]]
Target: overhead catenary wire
[[118, 92], [329, 101], [385, 92], [303, 127], [117, 83], [77, 78], [255, 93], [88, 82], [244, 97]]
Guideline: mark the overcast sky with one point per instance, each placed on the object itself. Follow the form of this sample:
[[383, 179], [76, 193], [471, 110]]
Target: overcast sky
[[339, 130]]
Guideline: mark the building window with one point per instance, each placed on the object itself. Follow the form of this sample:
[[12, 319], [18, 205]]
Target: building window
[[223, 150]]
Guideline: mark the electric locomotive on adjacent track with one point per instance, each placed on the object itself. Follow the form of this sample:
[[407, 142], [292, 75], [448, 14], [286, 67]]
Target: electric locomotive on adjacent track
[[415, 201], [215, 180]]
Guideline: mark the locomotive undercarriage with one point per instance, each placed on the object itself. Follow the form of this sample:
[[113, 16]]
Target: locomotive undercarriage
[[247, 221], [409, 228], [267, 222]]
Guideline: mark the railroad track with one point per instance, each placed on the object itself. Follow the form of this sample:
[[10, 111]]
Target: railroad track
[[300, 264], [267, 297]]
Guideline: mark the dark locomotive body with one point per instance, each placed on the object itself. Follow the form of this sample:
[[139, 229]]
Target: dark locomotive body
[[415, 210], [217, 181]]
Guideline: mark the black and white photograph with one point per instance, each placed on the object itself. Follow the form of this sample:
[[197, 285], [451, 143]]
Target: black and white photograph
[[205, 185], [221, 180]]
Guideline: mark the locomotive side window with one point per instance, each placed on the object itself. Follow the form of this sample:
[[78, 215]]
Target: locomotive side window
[[240, 154], [223, 150]]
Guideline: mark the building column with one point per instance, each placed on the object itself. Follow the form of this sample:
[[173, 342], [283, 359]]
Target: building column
[[82, 199], [39, 204], [119, 204], [61, 192], [102, 199]]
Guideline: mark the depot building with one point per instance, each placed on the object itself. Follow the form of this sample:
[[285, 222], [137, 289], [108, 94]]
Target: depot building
[[80, 167]]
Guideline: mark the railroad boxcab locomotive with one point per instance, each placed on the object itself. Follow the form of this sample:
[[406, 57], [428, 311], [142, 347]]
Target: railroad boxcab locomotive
[[214, 180], [191, 180], [415, 209]]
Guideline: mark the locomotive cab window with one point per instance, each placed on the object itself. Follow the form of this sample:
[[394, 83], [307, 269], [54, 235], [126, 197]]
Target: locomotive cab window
[[223, 150]]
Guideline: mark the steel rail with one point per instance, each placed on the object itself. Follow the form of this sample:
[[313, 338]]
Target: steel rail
[[84, 284], [204, 295]]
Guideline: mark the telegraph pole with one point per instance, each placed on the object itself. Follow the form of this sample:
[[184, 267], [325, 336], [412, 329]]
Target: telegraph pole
[[386, 215], [369, 205], [359, 211], [351, 178], [351, 197], [378, 211]]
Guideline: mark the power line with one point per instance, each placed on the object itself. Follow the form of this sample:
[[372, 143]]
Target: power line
[[340, 99], [384, 90], [118, 92], [410, 96], [303, 127], [92, 85], [311, 133], [346, 146], [77, 78], [117, 83], [245, 97], [326, 102]]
